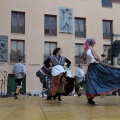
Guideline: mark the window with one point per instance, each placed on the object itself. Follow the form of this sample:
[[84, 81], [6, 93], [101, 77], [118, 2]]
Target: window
[[116, 1], [80, 27], [107, 52], [50, 25], [17, 50], [79, 54], [18, 22], [48, 49], [107, 3], [107, 29]]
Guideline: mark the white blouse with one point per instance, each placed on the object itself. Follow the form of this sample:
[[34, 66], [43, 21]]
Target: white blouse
[[80, 74], [90, 58]]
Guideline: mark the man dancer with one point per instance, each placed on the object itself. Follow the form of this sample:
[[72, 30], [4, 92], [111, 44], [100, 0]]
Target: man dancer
[[19, 71]]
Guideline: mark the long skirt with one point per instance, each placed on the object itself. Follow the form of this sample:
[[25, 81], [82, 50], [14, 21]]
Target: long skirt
[[69, 86], [102, 79], [59, 86], [55, 84]]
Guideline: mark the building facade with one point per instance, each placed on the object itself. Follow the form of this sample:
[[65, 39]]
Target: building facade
[[33, 28]]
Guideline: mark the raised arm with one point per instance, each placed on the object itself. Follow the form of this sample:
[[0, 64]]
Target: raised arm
[[46, 62], [68, 62]]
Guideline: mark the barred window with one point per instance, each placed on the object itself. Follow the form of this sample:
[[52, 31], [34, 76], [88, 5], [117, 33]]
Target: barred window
[[107, 29], [80, 27], [107, 3], [18, 22], [79, 54], [17, 50], [48, 49], [50, 25]]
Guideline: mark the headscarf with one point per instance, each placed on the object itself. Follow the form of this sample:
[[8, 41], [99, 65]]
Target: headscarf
[[88, 42], [56, 50]]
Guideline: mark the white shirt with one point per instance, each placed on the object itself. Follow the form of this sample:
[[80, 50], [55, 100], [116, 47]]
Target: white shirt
[[90, 58], [18, 70], [79, 74]]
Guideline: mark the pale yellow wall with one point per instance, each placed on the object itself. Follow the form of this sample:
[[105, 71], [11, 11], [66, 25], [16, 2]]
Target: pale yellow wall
[[34, 29]]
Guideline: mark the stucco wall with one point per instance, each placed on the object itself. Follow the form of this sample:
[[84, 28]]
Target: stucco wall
[[34, 36]]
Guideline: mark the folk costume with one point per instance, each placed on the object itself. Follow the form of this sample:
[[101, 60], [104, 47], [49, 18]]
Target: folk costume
[[56, 60], [79, 76], [61, 83], [100, 79], [19, 71]]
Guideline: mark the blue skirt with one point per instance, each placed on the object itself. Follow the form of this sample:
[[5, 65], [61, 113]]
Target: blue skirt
[[101, 79]]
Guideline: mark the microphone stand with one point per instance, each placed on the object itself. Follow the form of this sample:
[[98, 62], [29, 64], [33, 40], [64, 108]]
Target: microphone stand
[[3, 82], [1, 86]]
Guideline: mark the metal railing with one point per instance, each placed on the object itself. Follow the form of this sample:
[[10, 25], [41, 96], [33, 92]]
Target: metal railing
[[80, 34], [80, 60], [13, 58]]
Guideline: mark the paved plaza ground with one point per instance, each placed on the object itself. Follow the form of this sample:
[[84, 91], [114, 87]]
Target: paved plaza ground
[[72, 108]]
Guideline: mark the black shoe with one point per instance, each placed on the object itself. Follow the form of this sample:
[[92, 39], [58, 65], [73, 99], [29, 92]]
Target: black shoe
[[54, 98], [15, 96], [59, 100], [90, 101], [79, 95], [49, 98]]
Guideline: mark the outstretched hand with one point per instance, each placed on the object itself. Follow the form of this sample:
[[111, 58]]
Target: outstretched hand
[[97, 62]]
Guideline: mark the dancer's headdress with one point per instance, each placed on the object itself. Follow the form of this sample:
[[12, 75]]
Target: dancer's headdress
[[88, 42]]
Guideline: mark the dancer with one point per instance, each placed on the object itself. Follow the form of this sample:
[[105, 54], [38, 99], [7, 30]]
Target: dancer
[[100, 79], [56, 59], [58, 74], [19, 71], [61, 83], [44, 73], [79, 75]]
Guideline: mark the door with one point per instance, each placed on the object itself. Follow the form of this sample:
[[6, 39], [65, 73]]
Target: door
[[11, 87]]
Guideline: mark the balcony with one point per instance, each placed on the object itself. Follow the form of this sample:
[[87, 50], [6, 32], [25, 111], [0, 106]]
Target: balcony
[[13, 58], [80, 60], [106, 35], [80, 34]]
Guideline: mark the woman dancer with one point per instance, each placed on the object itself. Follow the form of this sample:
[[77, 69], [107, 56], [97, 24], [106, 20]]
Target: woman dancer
[[100, 79], [61, 83], [56, 59]]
